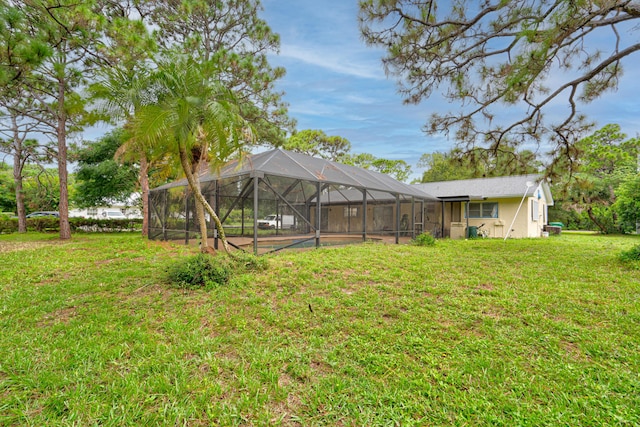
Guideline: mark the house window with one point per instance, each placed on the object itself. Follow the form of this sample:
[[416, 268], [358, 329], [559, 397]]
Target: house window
[[534, 210], [483, 210], [350, 212]]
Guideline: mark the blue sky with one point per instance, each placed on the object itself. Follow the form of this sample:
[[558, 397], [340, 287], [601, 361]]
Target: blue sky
[[336, 83]]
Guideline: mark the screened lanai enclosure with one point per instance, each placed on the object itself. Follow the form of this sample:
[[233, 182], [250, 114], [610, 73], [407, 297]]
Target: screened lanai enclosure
[[280, 199]]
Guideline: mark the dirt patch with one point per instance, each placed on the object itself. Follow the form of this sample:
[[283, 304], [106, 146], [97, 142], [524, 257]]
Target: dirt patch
[[573, 351], [23, 246], [64, 316], [321, 368], [493, 314], [285, 380]]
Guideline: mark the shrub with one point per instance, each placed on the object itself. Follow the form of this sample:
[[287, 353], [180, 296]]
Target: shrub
[[424, 239], [8, 225], [52, 224], [105, 225], [206, 271], [631, 256], [198, 271], [44, 223]]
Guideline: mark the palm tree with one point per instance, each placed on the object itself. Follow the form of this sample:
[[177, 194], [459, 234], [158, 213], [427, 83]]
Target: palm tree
[[122, 92], [121, 87], [193, 116]]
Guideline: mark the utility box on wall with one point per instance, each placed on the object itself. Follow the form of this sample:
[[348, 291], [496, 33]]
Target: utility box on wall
[[458, 230]]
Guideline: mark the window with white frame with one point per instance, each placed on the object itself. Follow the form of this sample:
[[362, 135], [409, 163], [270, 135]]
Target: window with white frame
[[534, 210], [350, 212], [483, 210]]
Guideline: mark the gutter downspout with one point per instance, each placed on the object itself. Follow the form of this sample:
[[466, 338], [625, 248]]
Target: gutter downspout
[[442, 223], [466, 214]]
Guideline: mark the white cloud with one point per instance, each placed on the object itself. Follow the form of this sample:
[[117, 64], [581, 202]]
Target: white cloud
[[360, 99], [335, 60], [313, 108]]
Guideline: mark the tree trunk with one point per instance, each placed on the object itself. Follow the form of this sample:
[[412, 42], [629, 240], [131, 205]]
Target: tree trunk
[[216, 220], [19, 159], [143, 177], [194, 184], [17, 179], [195, 188], [202, 221], [63, 206], [593, 218]]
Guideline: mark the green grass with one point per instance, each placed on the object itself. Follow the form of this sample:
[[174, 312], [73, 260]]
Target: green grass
[[465, 333]]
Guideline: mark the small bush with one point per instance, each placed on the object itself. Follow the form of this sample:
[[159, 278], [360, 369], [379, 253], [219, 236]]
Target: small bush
[[40, 224], [44, 223], [198, 271], [8, 225], [52, 224], [424, 239], [105, 225], [631, 256], [206, 271]]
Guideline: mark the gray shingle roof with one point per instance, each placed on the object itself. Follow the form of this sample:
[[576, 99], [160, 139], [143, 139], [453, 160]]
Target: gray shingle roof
[[498, 187]]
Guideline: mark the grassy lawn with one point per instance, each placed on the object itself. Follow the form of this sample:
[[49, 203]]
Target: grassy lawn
[[483, 332]]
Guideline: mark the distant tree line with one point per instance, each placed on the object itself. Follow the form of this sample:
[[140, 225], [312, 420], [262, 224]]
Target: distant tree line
[[599, 189], [198, 68], [187, 83]]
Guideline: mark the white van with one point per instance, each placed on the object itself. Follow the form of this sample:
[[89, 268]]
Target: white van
[[113, 214], [279, 221]]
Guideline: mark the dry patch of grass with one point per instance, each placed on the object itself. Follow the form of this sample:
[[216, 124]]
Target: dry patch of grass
[[23, 246]]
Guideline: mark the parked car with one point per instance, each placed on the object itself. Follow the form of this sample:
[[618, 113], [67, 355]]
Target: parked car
[[113, 214], [273, 221], [43, 213]]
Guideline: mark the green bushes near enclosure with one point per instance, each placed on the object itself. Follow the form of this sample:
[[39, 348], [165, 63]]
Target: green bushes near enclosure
[[424, 239], [52, 224]]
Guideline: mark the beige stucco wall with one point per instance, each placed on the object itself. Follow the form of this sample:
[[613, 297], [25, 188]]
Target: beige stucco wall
[[507, 210], [536, 226], [523, 226]]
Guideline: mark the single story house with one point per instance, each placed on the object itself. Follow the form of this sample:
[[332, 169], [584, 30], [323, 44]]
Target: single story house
[[319, 201], [116, 210], [306, 201], [510, 206]]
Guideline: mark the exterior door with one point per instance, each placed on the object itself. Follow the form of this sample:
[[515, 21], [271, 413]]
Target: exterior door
[[383, 218]]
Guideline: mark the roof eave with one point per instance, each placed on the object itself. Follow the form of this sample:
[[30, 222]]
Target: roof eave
[[461, 198]]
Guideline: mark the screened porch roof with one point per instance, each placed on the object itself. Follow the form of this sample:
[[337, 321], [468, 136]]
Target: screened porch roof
[[279, 162]]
